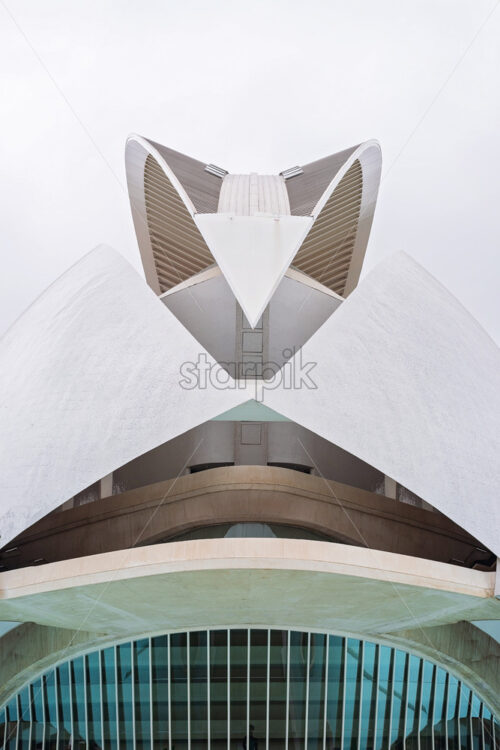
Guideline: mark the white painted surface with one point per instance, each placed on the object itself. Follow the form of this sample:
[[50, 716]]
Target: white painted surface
[[253, 253], [409, 382], [89, 380]]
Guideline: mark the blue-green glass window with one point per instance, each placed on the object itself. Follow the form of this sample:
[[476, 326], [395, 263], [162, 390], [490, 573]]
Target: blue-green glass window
[[353, 681], [94, 698], [278, 671], [79, 702], [335, 691], [37, 710], [257, 715], [198, 679], [125, 696], [142, 703], [179, 689], [384, 696], [65, 708], [452, 712], [160, 690], [368, 696], [109, 694], [427, 705], [316, 699], [238, 684], [218, 689]]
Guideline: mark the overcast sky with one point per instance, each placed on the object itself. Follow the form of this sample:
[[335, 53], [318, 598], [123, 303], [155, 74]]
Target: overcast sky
[[252, 86]]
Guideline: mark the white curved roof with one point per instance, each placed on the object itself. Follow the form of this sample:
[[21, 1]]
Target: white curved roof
[[89, 380], [405, 379], [409, 382]]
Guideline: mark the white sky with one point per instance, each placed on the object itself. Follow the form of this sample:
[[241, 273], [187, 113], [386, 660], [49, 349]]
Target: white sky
[[258, 85]]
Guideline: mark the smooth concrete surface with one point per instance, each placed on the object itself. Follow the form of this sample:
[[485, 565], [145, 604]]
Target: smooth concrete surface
[[409, 382], [250, 494], [201, 583]]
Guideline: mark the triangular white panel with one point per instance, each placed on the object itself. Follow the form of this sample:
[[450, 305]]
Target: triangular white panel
[[253, 253]]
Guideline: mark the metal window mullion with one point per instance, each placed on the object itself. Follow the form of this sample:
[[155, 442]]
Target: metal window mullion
[[44, 730], [420, 698], [85, 701], [6, 722], [325, 706], [376, 687], [30, 703], [57, 708], [406, 701], [101, 697], [132, 682], [445, 708], [432, 706], [71, 712], [18, 729], [469, 716], [209, 730], [151, 716], [457, 714], [287, 706], [117, 698], [306, 713], [360, 711], [169, 692], [268, 686], [391, 698], [248, 690], [344, 690], [188, 687], [481, 724], [228, 696]]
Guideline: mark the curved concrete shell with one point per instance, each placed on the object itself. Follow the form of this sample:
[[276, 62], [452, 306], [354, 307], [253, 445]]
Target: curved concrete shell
[[409, 382], [89, 379]]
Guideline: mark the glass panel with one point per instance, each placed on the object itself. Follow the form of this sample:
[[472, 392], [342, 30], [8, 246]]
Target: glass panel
[[63, 689], [109, 707], [488, 729], [452, 712], [335, 692], [277, 689], [440, 697], [353, 674], [160, 679], [199, 691], [142, 704], [37, 729], [476, 723], [218, 689], [413, 700], [428, 692], [399, 690], [384, 696], [12, 716], [464, 717], [258, 686], [238, 686], [316, 691], [179, 694], [126, 727], [368, 698], [94, 699], [78, 690], [25, 719], [297, 693], [50, 704]]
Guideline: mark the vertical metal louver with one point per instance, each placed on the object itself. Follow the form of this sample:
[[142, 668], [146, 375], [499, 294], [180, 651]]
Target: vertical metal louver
[[179, 250], [327, 250]]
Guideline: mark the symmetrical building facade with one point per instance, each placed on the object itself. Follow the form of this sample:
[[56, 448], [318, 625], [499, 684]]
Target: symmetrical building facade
[[249, 503]]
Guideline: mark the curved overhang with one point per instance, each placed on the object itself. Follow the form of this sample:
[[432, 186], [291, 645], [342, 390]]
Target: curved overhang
[[302, 503], [327, 243]]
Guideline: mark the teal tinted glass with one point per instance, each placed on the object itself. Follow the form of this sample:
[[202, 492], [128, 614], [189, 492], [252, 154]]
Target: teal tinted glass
[[247, 689]]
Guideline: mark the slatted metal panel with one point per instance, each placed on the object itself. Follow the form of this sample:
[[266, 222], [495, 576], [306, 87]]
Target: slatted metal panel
[[327, 250], [305, 190], [179, 250], [203, 187]]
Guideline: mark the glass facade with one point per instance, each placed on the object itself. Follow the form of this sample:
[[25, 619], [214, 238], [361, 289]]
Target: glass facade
[[252, 689]]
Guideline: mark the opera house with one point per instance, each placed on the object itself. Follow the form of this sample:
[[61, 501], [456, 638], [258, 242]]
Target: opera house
[[248, 502]]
